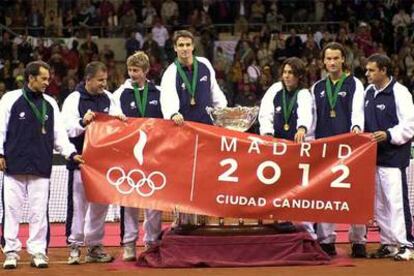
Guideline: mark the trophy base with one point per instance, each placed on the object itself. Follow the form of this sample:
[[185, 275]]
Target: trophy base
[[234, 230]]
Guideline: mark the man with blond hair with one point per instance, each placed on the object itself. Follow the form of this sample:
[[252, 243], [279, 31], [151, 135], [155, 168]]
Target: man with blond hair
[[138, 97]]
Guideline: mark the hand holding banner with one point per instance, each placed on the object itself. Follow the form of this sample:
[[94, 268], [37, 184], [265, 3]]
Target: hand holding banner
[[153, 163]]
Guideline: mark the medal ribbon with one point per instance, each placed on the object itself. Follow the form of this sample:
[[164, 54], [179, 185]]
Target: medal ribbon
[[287, 108], [40, 115], [141, 103], [190, 88], [332, 98]]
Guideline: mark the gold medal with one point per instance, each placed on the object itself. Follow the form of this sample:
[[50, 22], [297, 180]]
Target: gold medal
[[286, 127], [192, 101], [332, 114], [43, 130]]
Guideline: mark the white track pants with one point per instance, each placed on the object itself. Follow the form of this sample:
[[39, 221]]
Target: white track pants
[[129, 225], [85, 222], [15, 189], [326, 233], [392, 208]]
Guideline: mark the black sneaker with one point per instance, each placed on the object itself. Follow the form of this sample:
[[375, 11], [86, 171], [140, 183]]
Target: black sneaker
[[359, 251], [329, 248], [385, 251]]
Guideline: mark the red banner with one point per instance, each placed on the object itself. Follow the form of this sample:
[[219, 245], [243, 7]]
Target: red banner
[[196, 168]]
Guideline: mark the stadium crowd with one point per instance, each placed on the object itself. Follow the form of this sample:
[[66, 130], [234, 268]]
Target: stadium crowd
[[383, 27]]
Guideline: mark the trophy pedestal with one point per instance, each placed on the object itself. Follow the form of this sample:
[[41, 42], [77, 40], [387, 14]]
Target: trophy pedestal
[[234, 230], [175, 251]]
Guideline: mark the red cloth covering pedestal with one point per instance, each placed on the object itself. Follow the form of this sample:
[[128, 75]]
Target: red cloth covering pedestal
[[234, 251]]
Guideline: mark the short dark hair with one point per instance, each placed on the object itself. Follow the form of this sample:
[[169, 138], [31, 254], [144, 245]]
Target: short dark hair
[[33, 69], [383, 62], [335, 46], [298, 68], [93, 68], [182, 33]]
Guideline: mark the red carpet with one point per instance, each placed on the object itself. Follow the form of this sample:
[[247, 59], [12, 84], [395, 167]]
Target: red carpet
[[58, 238]]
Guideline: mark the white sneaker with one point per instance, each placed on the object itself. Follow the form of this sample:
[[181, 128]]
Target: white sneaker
[[74, 255], [130, 253], [11, 260], [39, 260], [404, 254], [97, 254]]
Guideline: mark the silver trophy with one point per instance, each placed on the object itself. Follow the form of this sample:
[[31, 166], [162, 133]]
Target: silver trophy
[[239, 118]]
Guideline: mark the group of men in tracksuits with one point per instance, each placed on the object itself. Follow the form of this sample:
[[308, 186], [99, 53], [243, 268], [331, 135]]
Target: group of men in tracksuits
[[339, 104], [31, 126]]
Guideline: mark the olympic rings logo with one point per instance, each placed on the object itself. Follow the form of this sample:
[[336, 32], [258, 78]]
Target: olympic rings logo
[[137, 186]]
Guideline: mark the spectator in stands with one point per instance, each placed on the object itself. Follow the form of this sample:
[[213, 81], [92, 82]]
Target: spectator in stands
[[159, 33], [264, 55], [106, 8], [343, 37], [401, 19], [115, 76], [24, 50], [310, 50], [155, 72], [111, 24], [169, 12], [53, 24], [19, 82], [281, 53], [85, 15], [71, 59], [6, 46], [19, 70], [68, 86], [132, 45], [6, 74], [246, 53], [194, 18], [169, 49], [257, 12], [293, 44], [35, 23], [3, 89], [326, 38], [364, 39], [124, 7], [148, 14], [69, 22], [266, 79], [241, 25], [235, 77], [18, 17], [89, 48], [107, 55], [274, 19], [139, 37], [151, 47], [247, 95], [128, 21]]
